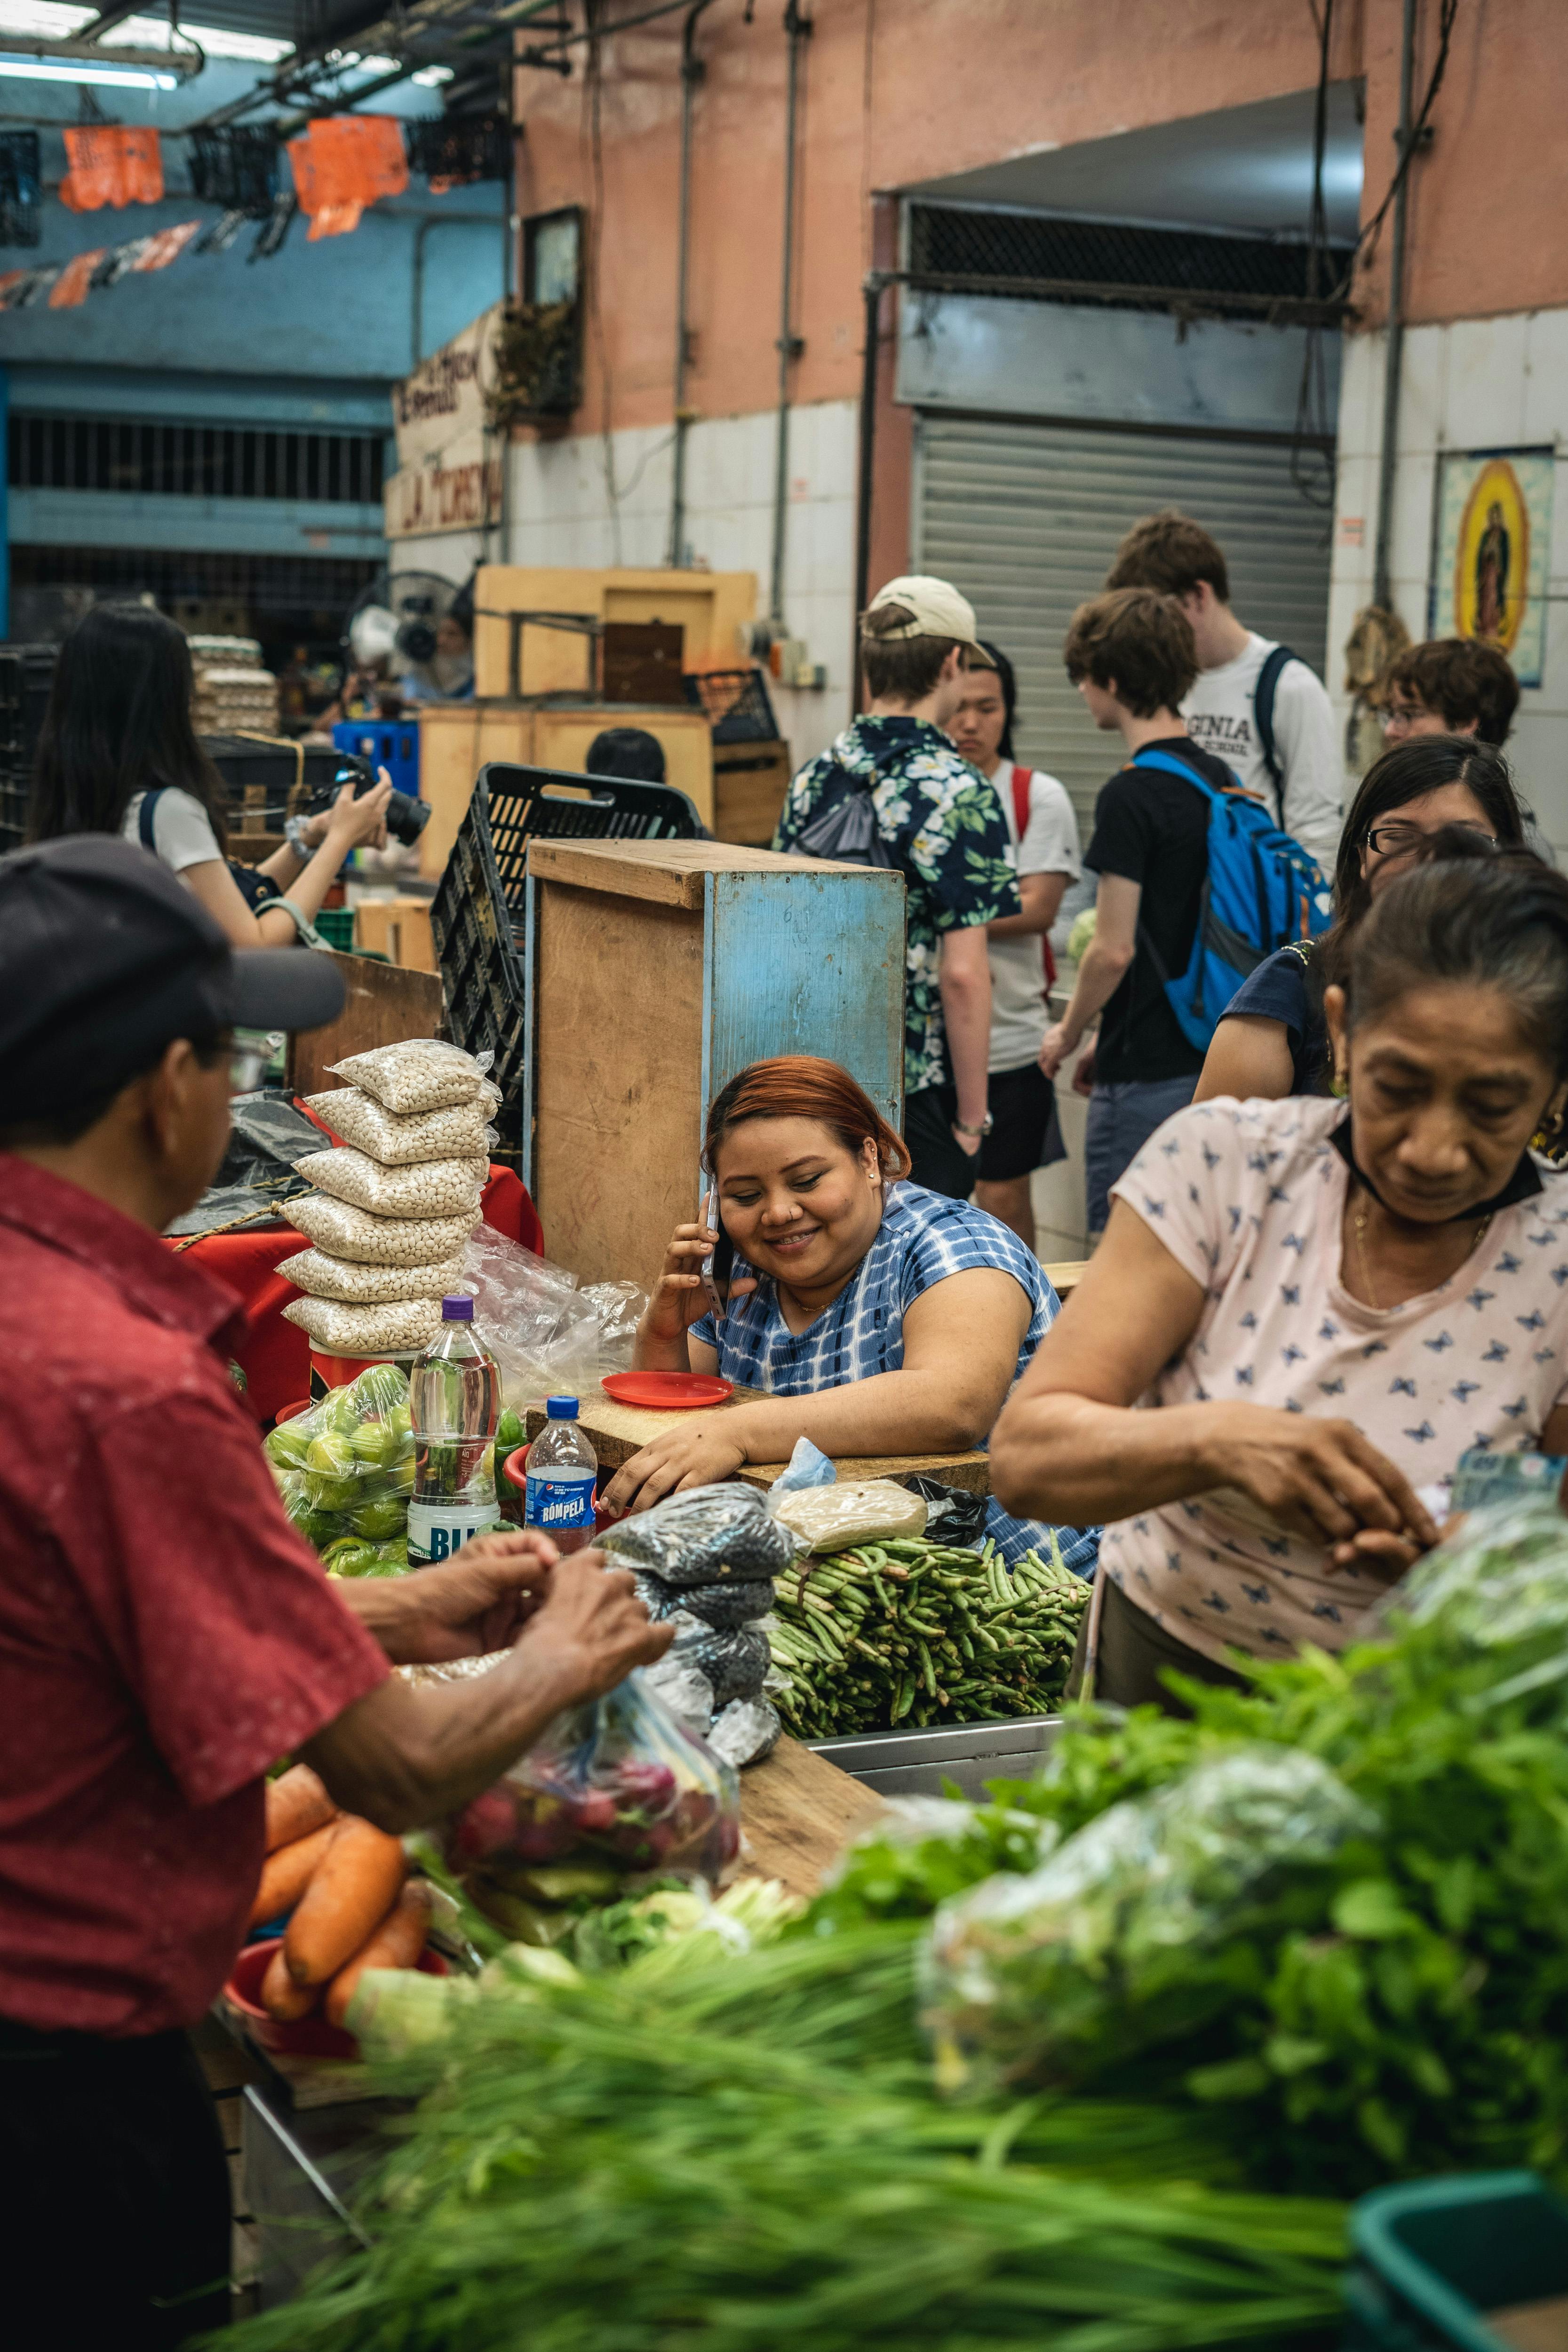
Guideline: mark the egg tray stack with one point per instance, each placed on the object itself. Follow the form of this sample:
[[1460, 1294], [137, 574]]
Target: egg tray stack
[[395, 1203]]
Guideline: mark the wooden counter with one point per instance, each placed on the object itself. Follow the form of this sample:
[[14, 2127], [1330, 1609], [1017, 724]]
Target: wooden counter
[[619, 1431], [798, 1812]]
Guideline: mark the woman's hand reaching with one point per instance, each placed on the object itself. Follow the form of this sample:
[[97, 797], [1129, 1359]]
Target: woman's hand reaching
[[1320, 1479], [361, 823]]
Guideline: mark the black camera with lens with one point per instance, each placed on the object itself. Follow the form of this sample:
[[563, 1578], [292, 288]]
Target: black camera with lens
[[406, 817]]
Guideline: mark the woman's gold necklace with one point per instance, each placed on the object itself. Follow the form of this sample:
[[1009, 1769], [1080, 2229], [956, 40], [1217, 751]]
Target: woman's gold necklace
[[1358, 1227]]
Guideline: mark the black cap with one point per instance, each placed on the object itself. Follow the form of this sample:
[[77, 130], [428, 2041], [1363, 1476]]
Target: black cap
[[105, 959]]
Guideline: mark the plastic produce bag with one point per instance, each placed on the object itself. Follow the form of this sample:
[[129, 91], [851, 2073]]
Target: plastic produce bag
[[738, 1600], [325, 1276], [543, 1337], [616, 1790], [456, 1133], [419, 1074], [746, 1732], [346, 1466], [954, 1516], [685, 1690], [1501, 1578], [369, 1240], [432, 1188], [854, 1511], [735, 1664], [1101, 1951], [393, 1328], [704, 1535]]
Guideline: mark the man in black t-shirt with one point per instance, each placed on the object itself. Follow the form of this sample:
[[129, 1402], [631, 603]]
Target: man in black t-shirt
[[1131, 657]]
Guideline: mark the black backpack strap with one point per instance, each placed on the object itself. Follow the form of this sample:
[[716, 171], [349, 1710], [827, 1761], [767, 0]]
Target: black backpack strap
[[148, 817], [1263, 693]]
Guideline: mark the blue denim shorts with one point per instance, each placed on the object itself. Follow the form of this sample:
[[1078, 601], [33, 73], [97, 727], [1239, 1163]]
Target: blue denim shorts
[[1122, 1119]]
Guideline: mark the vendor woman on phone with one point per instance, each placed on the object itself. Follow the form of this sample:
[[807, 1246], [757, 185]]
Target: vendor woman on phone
[[880, 1317], [1304, 1311]]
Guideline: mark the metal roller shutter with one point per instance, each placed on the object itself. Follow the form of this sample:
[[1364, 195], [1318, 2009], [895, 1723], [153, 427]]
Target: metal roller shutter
[[1025, 518]]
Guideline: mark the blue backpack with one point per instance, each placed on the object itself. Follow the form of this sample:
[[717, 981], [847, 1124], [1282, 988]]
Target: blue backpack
[[1262, 891]]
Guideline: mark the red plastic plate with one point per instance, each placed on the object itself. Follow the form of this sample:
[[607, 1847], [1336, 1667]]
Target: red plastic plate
[[309, 2037], [667, 1391]]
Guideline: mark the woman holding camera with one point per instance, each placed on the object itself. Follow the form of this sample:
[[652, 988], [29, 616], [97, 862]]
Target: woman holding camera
[[118, 753]]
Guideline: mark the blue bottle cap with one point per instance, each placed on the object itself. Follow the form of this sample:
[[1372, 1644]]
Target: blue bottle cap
[[458, 1307], [561, 1408]]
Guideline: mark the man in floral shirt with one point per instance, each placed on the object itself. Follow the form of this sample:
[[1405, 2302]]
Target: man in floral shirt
[[939, 823]]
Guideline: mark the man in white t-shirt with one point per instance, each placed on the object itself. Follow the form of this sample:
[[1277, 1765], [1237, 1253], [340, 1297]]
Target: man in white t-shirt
[[1042, 831], [1256, 706]]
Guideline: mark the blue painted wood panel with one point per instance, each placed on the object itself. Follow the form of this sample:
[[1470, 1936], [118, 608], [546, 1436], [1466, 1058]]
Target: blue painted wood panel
[[807, 961]]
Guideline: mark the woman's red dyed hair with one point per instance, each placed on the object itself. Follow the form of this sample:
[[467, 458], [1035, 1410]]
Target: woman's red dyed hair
[[803, 1086]]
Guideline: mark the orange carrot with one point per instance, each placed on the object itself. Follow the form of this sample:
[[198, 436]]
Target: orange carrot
[[297, 1803], [352, 1889], [280, 1997], [396, 1944], [285, 1874]]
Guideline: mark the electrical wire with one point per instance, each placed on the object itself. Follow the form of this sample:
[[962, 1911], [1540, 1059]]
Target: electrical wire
[[594, 82], [1366, 244], [1312, 465]]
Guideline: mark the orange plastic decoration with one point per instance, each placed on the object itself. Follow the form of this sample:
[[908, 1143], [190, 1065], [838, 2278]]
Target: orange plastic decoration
[[70, 287], [111, 165], [166, 245], [343, 162]]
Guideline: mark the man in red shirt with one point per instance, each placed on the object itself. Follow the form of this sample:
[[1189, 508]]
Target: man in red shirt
[[165, 1633]]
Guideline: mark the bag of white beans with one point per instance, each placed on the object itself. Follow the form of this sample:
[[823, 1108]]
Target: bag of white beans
[[345, 1232], [431, 1188], [325, 1276], [393, 1329], [420, 1074], [458, 1132]]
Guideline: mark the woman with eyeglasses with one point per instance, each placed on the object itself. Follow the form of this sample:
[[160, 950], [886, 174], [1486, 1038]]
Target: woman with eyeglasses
[[1436, 795]]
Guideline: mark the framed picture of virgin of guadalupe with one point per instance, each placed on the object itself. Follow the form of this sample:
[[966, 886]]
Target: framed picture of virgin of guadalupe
[[1491, 545]]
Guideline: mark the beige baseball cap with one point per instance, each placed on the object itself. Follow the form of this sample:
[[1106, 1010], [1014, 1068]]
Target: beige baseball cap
[[936, 608]]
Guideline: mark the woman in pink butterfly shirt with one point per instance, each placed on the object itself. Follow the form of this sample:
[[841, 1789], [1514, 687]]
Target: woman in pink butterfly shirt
[[1326, 1303]]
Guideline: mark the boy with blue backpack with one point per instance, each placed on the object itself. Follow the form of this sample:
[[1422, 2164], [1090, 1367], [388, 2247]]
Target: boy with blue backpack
[[1197, 885]]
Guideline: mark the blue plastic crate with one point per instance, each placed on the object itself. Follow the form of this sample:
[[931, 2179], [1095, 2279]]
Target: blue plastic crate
[[1434, 2258], [392, 744]]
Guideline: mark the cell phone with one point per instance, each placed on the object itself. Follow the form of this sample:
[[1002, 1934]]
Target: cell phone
[[718, 1264]]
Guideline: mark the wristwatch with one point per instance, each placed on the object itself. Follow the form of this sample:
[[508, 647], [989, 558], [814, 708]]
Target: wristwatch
[[294, 834], [984, 1128]]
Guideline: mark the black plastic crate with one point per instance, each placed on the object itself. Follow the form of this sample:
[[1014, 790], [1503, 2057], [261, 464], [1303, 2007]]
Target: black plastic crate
[[26, 674], [12, 815], [736, 702], [476, 916], [273, 771]]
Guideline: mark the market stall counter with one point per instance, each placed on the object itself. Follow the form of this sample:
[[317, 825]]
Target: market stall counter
[[619, 1431]]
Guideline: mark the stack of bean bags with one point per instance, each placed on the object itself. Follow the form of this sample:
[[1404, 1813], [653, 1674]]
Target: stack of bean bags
[[394, 1206]]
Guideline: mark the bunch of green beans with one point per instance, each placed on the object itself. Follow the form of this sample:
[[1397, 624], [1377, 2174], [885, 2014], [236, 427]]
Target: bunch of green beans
[[918, 1632]]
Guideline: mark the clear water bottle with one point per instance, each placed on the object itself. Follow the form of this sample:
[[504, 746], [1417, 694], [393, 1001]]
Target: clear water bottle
[[454, 1404], [562, 1467]]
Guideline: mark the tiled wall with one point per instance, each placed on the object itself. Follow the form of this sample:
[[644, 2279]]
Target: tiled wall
[[561, 511], [1478, 383]]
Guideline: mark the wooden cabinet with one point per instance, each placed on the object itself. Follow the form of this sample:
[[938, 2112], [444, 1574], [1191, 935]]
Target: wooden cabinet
[[457, 738], [709, 606], [655, 971], [750, 780]]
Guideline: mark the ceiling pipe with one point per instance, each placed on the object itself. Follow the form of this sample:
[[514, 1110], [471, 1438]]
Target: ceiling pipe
[[692, 72], [798, 30]]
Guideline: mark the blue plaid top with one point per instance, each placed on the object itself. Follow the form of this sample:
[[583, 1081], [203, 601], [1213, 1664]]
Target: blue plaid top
[[923, 1237]]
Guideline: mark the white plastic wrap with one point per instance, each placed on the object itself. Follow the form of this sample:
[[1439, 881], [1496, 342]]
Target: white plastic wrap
[[393, 1329], [324, 1276], [536, 1323], [458, 1132], [346, 1232], [856, 1511], [432, 1188], [419, 1074]]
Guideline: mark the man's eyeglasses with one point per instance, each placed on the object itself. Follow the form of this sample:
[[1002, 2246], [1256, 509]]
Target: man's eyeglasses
[[1401, 715], [1399, 840]]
